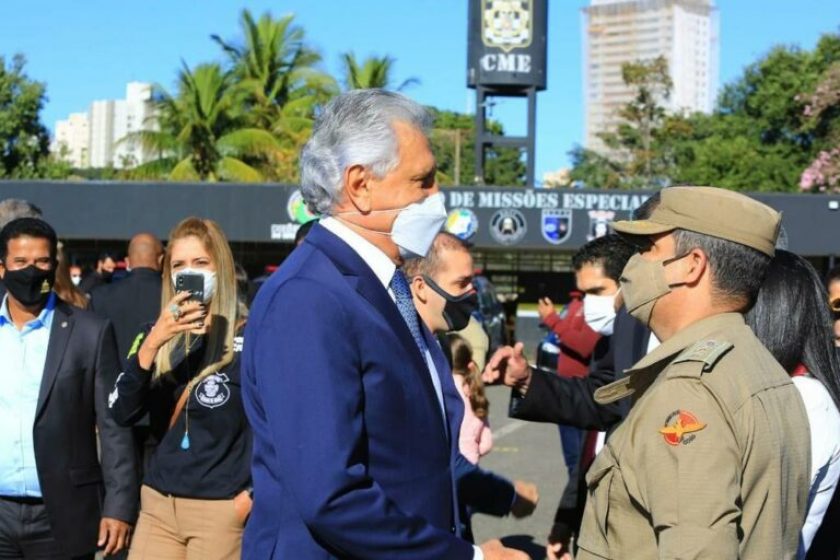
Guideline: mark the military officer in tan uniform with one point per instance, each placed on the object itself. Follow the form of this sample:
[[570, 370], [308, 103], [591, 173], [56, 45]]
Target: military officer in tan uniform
[[713, 459]]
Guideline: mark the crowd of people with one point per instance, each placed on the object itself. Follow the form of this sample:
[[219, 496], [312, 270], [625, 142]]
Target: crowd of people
[[336, 408]]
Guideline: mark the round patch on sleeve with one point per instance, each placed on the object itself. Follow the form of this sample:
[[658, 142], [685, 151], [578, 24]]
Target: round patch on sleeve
[[680, 427]]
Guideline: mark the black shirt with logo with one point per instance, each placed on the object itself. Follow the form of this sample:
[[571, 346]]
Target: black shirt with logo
[[207, 453]]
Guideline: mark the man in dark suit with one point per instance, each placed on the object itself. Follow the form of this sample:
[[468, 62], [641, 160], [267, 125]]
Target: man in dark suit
[[445, 298], [101, 275], [134, 301], [355, 433], [57, 499]]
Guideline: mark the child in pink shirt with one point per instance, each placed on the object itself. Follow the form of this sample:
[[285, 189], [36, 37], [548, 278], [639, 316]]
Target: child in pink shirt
[[476, 438]]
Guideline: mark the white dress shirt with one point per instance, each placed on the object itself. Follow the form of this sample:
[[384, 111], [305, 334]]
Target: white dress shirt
[[824, 420]]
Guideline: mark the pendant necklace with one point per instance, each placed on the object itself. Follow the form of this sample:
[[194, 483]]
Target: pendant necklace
[[185, 440]]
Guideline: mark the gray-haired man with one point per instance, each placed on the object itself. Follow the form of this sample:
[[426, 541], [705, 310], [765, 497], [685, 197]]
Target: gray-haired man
[[355, 422]]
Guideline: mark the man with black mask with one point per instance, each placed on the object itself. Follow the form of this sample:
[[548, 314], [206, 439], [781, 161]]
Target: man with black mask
[[57, 499], [444, 296], [101, 275]]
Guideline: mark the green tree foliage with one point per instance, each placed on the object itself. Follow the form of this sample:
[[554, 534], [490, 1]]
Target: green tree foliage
[[638, 140], [204, 132], [372, 72], [641, 150], [277, 71], [457, 130], [760, 138], [767, 127], [24, 141]]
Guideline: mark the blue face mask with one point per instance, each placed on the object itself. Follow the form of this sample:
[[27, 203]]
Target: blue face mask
[[416, 225]]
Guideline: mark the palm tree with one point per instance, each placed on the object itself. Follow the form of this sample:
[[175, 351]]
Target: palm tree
[[274, 66], [203, 132], [373, 72]]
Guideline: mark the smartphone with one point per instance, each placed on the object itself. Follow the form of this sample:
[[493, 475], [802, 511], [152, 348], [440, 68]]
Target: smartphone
[[192, 283]]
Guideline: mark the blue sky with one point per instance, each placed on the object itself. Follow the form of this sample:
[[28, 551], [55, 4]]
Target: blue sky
[[89, 49]]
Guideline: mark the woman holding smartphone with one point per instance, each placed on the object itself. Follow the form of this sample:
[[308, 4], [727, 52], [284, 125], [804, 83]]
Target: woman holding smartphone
[[184, 372]]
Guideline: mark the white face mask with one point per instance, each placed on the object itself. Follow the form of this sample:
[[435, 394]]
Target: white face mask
[[416, 225], [76, 280], [599, 313], [209, 280]]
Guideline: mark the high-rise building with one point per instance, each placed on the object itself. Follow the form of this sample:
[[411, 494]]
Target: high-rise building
[[101, 133], [72, 140], [685, 32], [133, 114], [109, 125]]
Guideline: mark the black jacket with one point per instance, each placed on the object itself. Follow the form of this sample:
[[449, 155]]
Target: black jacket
[[570, 400], [78, 490], [130, 304], [216, 463]]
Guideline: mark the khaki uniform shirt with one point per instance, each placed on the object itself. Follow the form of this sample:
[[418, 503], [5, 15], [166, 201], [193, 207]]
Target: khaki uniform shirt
[[713, 459]]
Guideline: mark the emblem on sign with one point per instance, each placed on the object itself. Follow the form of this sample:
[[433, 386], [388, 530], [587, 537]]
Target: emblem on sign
[[556, 225], [599, 223], [462, 222], [297, 209], [507, 24], [508, 226]]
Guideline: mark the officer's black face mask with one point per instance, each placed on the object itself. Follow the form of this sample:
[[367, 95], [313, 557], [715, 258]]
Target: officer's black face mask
[[458, 309], [31, 286]]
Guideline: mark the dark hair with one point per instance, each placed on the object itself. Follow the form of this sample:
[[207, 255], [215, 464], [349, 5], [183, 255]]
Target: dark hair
[[28, 227], [647, 207], [105, 255], [792, 319], [832, 276], [14, 208], [737, 270], [610, 251], [303, 230]]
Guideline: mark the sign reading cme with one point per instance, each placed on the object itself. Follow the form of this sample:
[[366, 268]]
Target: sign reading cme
[[507, 42]]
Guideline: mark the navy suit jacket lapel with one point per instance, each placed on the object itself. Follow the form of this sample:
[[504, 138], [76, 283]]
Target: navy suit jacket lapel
[[451, 397], [62, 327], [351, 265]]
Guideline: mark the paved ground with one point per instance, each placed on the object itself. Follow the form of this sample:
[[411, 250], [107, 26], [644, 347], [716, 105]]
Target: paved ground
[[526, 451]]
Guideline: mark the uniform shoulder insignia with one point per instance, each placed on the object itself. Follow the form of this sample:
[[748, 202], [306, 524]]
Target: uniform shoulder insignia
[[680, 426], [706, 351]]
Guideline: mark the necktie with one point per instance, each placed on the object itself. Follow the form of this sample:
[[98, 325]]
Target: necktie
[[402, 293]]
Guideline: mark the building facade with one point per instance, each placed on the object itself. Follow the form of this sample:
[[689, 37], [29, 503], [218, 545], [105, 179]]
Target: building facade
[[109, 125], [685, 32], [72, 140]]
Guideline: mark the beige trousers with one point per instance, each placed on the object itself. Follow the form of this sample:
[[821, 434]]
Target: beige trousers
[[184, 529]]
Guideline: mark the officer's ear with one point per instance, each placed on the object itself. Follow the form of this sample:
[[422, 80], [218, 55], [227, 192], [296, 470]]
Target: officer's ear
[[2, 270], [695, 267]]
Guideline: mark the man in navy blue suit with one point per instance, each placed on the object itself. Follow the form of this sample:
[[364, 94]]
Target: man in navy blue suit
[[355, 433], [445, 298]]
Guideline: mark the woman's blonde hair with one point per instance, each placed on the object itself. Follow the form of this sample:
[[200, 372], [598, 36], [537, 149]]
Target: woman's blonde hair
[[223, 307]]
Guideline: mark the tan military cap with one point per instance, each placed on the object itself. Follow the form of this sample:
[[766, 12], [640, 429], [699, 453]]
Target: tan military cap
[[711, 211]]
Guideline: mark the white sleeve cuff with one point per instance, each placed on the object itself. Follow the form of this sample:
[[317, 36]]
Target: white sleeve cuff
[[478, 555]]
